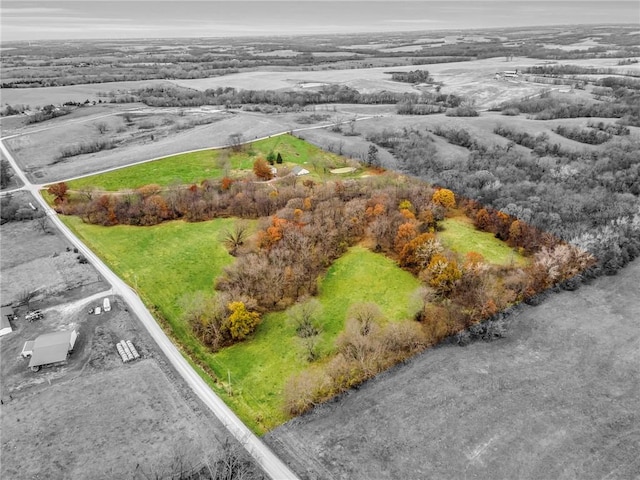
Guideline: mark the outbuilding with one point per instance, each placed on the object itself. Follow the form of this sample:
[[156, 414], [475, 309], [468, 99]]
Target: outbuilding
[[50, 348], [298, 171], [6, 315]]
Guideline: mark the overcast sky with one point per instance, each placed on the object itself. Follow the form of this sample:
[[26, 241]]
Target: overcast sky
[[55, 19]]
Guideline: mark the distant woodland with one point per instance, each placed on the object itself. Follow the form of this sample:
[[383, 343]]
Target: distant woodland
[[49, 64]]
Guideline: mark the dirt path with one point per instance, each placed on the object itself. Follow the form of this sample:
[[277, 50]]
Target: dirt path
[[71, 308]]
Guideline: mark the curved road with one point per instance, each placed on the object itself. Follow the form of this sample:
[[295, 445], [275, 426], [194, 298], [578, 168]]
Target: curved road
[[263, 456]]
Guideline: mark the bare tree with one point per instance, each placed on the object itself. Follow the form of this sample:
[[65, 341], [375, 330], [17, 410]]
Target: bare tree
[[102, 127], [6, 174], [89, 192], [366, 315], [304, 317], [235, 141], [42, 221]]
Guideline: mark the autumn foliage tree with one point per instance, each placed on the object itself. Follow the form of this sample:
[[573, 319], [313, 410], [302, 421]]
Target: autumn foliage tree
[[416, 254], [443, 274], [59, 192], [406, 233], [242, 322], [444, 197], [262, 169]]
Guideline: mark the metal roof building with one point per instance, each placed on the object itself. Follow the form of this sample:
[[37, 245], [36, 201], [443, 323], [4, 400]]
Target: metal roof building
[[6, 314], [52, 347]]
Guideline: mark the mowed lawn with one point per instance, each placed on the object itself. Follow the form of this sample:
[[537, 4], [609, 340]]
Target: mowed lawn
[[167, 261], [184, 168], [189, 168], [461, 236]]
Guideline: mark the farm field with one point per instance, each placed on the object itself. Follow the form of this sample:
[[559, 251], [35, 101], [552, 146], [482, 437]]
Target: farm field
[[37, 150], [474, 78], [36, 262], [38, 97], [556, 399]]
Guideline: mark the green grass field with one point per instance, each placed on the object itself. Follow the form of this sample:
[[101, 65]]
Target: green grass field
[[161, 261], [167, 261], [259, 368], [195, 167], [461, 236]]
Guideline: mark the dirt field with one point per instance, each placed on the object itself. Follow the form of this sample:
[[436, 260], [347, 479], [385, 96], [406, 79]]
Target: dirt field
[[558, 398], [474, 79], [39, 97], [152, 132], [36, 148], [93, 417], [36, 262]]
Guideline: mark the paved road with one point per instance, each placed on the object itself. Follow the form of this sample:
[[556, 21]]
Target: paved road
[[263, 456]]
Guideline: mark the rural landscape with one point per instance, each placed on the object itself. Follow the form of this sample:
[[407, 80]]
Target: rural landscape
[[390, 255]]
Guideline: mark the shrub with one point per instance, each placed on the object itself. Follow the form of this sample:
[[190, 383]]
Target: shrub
[[462, 111], [511, 112], [86, 147], [242, 322]]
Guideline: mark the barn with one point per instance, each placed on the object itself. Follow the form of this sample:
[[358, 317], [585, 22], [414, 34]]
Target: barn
[[50, 348]]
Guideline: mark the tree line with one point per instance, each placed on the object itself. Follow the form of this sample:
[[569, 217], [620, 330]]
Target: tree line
[[163, 96], [303, 228], [624, 104], [586, 197]]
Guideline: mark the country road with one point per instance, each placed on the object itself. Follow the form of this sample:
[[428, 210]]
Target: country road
[[262, 455], [37, 187]]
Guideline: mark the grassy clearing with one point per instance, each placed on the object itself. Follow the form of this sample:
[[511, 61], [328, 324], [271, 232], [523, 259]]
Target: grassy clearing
[[183, 168], [461, 236], [162, 262], [259, 368], [167, 261], [195, 167]]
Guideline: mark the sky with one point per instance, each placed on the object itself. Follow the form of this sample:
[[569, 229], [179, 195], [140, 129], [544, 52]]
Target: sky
[[93, 19]]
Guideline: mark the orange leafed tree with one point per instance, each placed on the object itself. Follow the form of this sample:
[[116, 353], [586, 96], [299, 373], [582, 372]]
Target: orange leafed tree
[[267, 238], [225, 183], [406, 233], [410, 256], [482, 219], [262, 169], [149, 190], [473, 258], [375, 211]]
